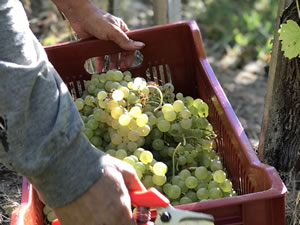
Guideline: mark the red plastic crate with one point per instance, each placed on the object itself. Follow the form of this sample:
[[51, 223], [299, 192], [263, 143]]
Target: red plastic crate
[[174, 52]]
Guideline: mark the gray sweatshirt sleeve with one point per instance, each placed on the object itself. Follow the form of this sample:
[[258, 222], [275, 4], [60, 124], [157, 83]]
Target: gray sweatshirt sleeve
[[40, 128]]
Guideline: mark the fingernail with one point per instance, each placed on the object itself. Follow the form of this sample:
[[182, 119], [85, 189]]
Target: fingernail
[[139, 44]]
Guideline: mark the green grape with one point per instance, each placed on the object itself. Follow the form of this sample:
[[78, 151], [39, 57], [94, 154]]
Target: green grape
[[129, 160], [156, 133], [171, 151], [121, 154], [206, 144], [201, 173], [127, 76], [132, 98], [51, 216], [132, 124], [125, 91], [219, 176], [202, 123], [123, 131], [87, 110], [115, 124], [202, 110], [182, 186], [178, 106], [116, 112], [159, 180], [141, 141], [92, 124], [181, 160], [185, 200], [111, 152], [170, 115], [144, 131], [191, 182], [152, 120], [46, 209], [175, 179], [117, 95], [138, 151], [140, 167], [212, 184], [192, 195], [193, 110], [96, 140], [132, 146], [116, 139], [174, 192], [88, 132], [189, 101], [163, 125], [202, 193], [91, 89], [158, 144], [122, 146], [146, 157], [167, 107], [133, 135], [216, 165], [185, 114], [166, 187], [135, 111], [79, 102], [185, 173], [134, 158], [124, 119], [179, 96], [160, 168], [215, 193], [185, 123], [168, 87], [142, 120], [226, 186], [147, 181]]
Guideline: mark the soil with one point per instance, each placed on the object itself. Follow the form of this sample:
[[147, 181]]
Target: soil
[[244, 85]]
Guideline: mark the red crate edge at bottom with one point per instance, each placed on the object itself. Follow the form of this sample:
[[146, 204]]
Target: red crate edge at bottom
[[178, 49]]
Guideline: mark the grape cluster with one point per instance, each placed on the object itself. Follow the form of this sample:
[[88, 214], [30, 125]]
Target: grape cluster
[[165, 136]]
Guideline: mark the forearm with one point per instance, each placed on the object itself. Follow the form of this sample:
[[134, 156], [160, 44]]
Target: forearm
[[40, 126]]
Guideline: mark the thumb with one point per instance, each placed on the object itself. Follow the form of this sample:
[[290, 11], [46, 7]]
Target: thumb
[[131, 179]]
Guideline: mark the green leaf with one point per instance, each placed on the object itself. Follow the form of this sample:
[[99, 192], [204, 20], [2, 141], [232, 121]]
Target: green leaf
[[290, 39]]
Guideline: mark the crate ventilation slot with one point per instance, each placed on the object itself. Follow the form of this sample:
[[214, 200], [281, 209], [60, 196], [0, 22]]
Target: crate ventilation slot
[[160, 74]]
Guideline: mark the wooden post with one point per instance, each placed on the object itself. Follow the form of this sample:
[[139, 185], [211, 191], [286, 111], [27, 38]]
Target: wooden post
[[280, 134], [166, 11]]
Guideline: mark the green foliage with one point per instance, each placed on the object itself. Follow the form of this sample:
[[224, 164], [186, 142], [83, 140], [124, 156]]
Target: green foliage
[[245, 24], [290, 39]]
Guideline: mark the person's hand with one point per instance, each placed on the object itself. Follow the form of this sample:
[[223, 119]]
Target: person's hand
[[105, 202], [89, 21]]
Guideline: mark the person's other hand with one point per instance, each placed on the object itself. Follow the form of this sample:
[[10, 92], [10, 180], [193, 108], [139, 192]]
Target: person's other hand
[[88, 20], [105, 202]]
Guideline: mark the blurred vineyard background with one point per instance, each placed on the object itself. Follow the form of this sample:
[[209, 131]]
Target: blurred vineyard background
[[237, 37]]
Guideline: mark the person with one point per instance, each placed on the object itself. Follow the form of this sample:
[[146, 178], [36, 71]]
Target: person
[[41, 130]]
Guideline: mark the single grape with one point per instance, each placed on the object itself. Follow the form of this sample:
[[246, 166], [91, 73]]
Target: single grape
[[185, 173], [88, 132], [135, 111], [219, 176], [215, 193], [160, 168], [202, 193], [181, 160], [167, 107], [97, 141], [129, 160], [174, 192], [146, 157], [133, 135], [192, 195], [170, 115], [178, 106], [201, 172], [138, 151], [118, 95], [79, 102], [140, 167], [116, 112], [132, 146], [191, 182], [226, 186], [166, 187], [158, 144], [111, 152], [142, 120], [185, 123], [216, 165], [159, 180], [124, 119], [163, 125]]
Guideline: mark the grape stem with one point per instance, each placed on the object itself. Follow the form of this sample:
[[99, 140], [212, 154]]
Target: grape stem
[[161, 97], [173, 158]]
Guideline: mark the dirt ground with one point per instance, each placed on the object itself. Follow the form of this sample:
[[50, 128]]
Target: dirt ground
[[245, 88]]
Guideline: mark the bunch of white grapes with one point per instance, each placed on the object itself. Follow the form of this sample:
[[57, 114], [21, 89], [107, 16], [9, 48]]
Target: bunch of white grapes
[[164, 136]]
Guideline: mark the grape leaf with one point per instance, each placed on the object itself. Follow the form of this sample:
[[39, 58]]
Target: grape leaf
[[290, 39]]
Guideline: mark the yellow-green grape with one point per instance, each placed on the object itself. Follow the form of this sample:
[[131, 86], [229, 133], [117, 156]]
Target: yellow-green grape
[[163, 125], [132, 146], [139, 174], [123, 131], [101, 95], [189, 101], [142, 120], [144, 131], [132, 125], [191, 182], [46, 209], [125, 91], [179, 96], [167, 107], [215, 193], [116, 112], [185, 123], [147, 181], [138, 151], [158, 144], [129, 160], [174, 192], [132, 98], [97, 141], [226, 186], [117, 95], [178, 106], [51, 216], [201, 173], [121, 154], [203, 109], [159, 180], [135, 111], [183, 174], [160, 168], [79, 103], [127, 76], [133, 135], [124, 119], [115, 124], [116, 139], [166, 187], [89, 100], [92, 124], [111, 152], [185, 114], [112, 104], [219, 176], [170, 115], [216, 165], [185, 200], [192, 195], [146, 157], [88, 132], [202, 193]]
